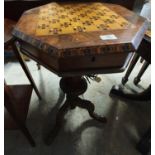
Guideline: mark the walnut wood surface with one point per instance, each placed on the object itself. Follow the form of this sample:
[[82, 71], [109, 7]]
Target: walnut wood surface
[[57, 44], [22, 95], [81, 65], [84, 49], [8, 26], [17, 99]]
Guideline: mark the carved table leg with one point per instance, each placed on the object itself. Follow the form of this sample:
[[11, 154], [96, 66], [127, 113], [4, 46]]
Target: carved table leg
[[73, 87], [143, 69], [90, 107], [58, 124], [131, 66]]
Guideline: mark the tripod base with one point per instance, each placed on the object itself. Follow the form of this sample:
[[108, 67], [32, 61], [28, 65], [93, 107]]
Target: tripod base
[[73, 87]]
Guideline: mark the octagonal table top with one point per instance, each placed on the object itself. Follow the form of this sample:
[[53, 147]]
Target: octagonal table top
[[70, 29]]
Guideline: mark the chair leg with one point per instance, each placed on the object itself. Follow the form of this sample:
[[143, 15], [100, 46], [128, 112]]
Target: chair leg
[[143, 69], [38, 65], [141, 60], [16, 49], [131, 66]]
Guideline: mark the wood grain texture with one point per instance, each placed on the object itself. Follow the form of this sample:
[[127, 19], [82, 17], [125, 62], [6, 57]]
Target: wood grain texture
[[57, 51], [57, 44], [15, 95], [22, 95], [8, 26]]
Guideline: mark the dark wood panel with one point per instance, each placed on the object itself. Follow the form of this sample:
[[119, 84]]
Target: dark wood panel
[[22, 94], [93, 62]]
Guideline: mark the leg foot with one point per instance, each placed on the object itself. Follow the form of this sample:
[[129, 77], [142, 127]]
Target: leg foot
[[116, 90], [38, 66], [124, 80], [90, 107], [136, 81], [141, 60]]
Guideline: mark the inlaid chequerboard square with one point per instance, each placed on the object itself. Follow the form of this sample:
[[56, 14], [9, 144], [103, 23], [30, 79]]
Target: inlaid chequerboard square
[[68, 18]]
